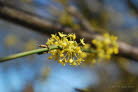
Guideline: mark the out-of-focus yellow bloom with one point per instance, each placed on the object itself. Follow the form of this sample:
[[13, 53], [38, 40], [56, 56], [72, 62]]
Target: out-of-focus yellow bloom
[[66, 19], [106, 47], [87, 46], [76, 26], [11, 40], [71, 51]]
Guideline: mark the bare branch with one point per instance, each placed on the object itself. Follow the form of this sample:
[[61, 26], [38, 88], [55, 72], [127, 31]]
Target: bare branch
[[73, 11]]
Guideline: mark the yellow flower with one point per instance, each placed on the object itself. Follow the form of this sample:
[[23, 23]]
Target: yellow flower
[[106, 47], [61, 34], [66, 19], [70, 53], [82, 41], [11, 40], [73, 36]]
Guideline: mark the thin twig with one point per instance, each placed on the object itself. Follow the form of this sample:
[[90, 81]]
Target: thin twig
[[27, 53]]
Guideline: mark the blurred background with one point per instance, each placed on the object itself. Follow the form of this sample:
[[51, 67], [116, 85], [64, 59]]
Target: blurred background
[[36, 73]]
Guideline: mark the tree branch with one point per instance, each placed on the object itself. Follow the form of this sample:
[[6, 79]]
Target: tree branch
[[44, 26], [84, 22]]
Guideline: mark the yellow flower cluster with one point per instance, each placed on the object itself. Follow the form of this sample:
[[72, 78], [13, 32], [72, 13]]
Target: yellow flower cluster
[[68, 20], [71, 51], [106, 46]]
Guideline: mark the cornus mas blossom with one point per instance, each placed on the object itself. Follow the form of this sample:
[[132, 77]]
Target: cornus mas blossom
[[106, 47], [74, 53], [64, 49], [70, 51]]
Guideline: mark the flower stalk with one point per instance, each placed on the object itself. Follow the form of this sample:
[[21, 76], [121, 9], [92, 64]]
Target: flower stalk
[[27, 53]]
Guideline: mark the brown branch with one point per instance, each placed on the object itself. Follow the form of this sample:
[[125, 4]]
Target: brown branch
[[44, 26], [84, 22], [128, 51]]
